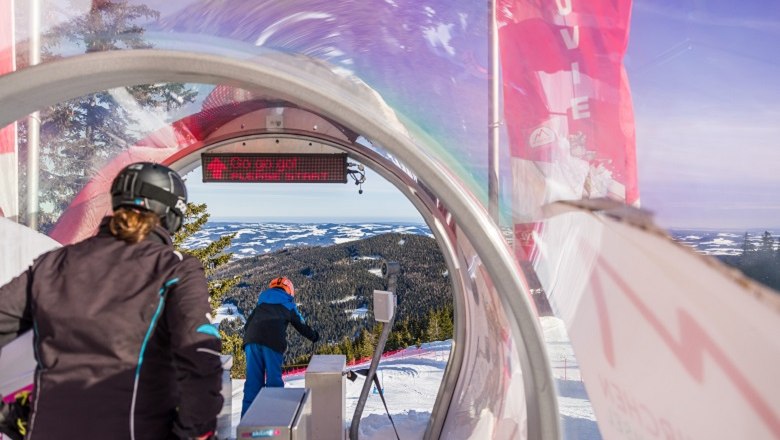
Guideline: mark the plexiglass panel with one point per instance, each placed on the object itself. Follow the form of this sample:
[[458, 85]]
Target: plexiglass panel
[[609, 107]]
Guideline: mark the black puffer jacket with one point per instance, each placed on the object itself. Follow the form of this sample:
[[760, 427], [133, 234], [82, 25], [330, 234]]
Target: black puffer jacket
[[122, 340], [267, 324]]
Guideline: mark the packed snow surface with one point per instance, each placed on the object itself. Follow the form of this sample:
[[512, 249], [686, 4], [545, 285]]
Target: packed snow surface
[[411, 380]]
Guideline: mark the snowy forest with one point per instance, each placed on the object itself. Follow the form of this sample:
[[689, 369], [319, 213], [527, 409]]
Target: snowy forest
[[334, 290], [334, 287], [759, 260]]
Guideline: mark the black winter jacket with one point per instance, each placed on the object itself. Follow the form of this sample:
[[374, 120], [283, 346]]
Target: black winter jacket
[[122, 340], [267, 324]]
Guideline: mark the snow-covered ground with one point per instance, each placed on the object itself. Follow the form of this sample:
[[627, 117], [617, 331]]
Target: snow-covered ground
[[227, 311], [359, 313], [411, 381], [577, 417]]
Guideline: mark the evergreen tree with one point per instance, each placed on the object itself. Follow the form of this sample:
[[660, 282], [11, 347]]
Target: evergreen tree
[[747, 248], [233, 344], [447, 322], [365, 344], [347, 349], [767, 243], [234, 326], [399, 336], [212, 256], [433, 327], [377, 331], [328, 349], [405, 335], [83, 134], [777, 252], [760, 262]]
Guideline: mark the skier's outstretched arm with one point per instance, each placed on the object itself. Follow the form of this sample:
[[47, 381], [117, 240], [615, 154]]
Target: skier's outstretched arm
[[196, 348], [15, 316], [300, 324]]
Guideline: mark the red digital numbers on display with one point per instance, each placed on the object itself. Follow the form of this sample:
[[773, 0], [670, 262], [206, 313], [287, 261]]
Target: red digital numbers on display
[[276, 168]]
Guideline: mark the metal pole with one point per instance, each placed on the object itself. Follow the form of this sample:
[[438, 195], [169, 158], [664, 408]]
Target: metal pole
[[33, 122], [354, 427], [493, 112], [9, 178]]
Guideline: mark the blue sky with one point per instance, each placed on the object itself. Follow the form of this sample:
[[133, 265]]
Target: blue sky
[[303, 202], [704, 77]]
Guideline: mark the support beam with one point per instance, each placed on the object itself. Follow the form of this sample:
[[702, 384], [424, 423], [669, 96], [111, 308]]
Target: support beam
[[34, 123]]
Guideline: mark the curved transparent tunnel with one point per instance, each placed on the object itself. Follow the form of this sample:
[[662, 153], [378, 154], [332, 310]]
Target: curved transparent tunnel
[[535, 211]]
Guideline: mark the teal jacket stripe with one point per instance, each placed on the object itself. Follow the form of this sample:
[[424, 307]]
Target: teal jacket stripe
[[152, 324]]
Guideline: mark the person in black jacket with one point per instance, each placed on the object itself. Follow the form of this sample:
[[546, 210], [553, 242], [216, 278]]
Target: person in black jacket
[[265, 337], [123, 342]]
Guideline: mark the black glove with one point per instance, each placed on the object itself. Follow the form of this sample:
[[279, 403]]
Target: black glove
[[315, 337], [186, 434], [14, 416]]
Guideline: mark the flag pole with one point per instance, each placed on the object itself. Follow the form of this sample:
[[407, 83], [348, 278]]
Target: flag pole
[[34, 122], [493, 112]]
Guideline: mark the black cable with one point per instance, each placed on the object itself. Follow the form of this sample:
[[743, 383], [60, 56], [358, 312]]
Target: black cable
[[352, 375], [382, 395]]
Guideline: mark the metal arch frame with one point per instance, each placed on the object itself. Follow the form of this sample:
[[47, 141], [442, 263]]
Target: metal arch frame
[[426, 206], [309, 83]]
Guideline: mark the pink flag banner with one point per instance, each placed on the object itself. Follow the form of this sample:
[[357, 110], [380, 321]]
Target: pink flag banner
[[567, 106]]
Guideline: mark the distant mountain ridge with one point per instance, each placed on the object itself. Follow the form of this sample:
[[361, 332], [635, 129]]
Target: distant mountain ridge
[[336, 267], [258, 238], [718, 243], [255, 238]]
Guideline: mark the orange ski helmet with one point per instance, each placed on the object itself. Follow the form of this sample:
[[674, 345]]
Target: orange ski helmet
[[283, 283]]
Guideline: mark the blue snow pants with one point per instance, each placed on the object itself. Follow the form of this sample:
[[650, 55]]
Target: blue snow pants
[[263, 368]]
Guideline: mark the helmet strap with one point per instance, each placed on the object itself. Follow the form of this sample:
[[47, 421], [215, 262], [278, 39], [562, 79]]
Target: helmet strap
[[161, 195]]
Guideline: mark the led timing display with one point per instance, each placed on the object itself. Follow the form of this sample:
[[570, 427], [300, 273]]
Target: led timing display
[[274, 168]]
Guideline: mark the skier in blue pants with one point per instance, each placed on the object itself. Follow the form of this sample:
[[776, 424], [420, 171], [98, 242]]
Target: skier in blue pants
[[265, 337]]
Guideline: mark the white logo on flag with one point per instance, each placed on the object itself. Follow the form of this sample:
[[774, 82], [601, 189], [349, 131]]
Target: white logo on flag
[[541, 136]]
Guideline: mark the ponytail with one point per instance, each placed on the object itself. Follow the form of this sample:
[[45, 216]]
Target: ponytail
[[132, 225]]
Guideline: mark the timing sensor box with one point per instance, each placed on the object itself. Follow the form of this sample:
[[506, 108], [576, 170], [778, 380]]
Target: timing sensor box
[[384, 305]]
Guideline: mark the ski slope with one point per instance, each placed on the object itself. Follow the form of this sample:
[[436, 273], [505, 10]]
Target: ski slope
[[411, 381]]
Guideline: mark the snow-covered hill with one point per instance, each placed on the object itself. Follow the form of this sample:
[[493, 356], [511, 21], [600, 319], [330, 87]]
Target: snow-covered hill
[[259, 238]]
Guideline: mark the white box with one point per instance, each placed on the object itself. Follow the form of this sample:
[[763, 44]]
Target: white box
[[279, 413], [384, 305], [325, 378]]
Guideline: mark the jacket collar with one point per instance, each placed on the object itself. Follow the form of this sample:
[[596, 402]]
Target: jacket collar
[[158, 234], [275, 296]]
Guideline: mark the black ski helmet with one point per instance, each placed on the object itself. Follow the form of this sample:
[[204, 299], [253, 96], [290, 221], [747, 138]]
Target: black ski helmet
[[153, 187]]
